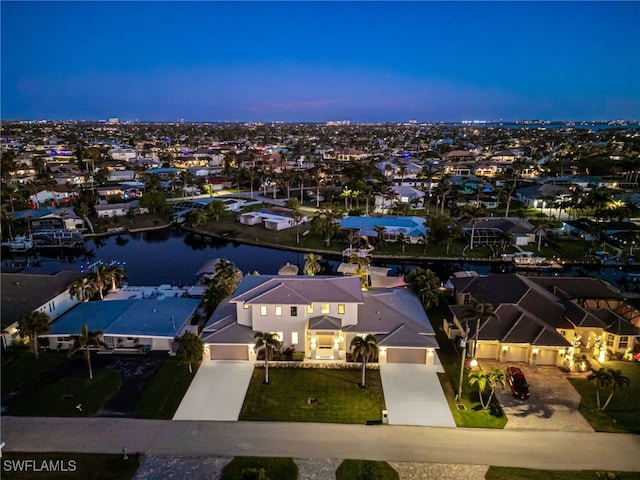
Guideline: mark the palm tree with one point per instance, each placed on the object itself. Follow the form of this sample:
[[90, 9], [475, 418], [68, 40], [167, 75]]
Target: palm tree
[[480, 312], [324, 223], [82, 288], [269, 343], [31, 325], [99, 280], [426, 285], [312, 264], [473, 214], [115, 274], [381, 242], [602, 380], [216, 209], [404, 239], [618, 382], [442, 189], [487, 379], [540, 225], [365, 348], [85, 340]]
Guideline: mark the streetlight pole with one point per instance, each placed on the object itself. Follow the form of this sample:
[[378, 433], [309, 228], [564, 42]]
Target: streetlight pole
[[464, 354]]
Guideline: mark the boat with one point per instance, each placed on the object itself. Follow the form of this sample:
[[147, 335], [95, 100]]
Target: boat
[[527, 260], [57, 238], [19, 243]]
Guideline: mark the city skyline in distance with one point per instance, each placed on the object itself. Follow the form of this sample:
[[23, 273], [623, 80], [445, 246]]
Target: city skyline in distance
[[320, 61]]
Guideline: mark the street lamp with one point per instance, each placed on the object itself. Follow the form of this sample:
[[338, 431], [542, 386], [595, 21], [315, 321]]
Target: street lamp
[[464, 354]]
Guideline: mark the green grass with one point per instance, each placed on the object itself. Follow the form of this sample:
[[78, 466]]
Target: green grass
[[365, 469], [162, 397], [275, 468], [509, 473], [472, 416], [86, 466], [23, 367], [60, 398], [623, 407], [339, 398]]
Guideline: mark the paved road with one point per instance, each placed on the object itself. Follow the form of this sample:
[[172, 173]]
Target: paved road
[[515, 448]]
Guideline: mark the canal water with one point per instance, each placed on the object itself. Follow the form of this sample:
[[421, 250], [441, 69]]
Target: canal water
[[173, 256]]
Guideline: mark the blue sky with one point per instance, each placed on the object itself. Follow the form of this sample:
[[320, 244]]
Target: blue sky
[[318, 61]]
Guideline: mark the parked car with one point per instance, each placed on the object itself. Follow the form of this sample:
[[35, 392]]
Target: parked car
[[517, 383]]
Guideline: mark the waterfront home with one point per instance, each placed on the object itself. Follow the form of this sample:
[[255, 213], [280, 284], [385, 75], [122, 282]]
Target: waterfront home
[[394, 227], [543, 320], [320, 316], [275, 218], [132, 324], [109, 210]]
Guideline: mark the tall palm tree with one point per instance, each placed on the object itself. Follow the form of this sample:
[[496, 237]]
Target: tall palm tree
[[480, 312], [269, 343], [99, 280], [31, 325], [115, 274], [426, 285], [404, 239], [540, 225], [602, 380], [442, 189], [83, 342], [82, 288], [381, 242], [365, 348], [489, 379], [324, 222], [312, 264], [473, 214]]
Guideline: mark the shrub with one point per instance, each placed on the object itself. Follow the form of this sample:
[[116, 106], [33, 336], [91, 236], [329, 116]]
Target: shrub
[[297, 356]]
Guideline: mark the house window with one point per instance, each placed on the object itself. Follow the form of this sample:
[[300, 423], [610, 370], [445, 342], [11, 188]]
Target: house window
[[263, 310], [310, 309], [245, 306], [294, 338], [325, 308], [341, 308], [278, 310], [466, 299], [609, 340], [294, 311], [624, 342]]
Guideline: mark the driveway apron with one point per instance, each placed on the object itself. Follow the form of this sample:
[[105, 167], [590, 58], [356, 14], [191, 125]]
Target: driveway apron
[[217, 391], [414, 396]]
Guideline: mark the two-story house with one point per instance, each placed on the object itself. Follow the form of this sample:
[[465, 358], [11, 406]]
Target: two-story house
[[319, 315]]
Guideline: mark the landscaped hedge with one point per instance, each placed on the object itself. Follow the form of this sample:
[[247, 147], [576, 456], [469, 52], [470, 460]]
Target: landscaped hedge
[[275, 468]]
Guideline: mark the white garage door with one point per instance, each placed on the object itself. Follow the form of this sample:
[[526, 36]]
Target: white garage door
[[516, 354], [229, 352], [487, 350], [547, 357], [406, 355]]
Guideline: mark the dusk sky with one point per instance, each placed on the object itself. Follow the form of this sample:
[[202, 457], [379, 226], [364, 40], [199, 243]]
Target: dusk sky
[[319, 61]]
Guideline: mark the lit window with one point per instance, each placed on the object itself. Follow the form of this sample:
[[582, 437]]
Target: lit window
[[278, 310], [325, 308], [263, 310], [245, 306], [294, 311], [341, 308], [310, 309], [294, 338], [624, 341]]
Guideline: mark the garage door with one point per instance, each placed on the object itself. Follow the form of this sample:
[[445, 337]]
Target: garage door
[[229, 352], [406, 355], [547, 357], [487, 350], [517, 354]]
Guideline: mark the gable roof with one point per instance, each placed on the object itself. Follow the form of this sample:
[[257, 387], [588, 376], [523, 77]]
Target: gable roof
[[405, 336]]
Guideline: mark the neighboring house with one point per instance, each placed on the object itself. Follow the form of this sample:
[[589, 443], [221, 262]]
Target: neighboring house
[[403, 194], [494, 231], [413, 227], [115, 209], [125, 154], [543, 196], [50, 217], [60, 194], [544, 320], [459, 156], [147, 324], [582, 227], [24, 293], [121, 175], [110, 191], [272, 218], [506, 156], [344, 155], [320, 316]]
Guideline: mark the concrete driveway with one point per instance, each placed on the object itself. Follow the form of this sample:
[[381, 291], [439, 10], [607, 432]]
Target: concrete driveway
[[217, 391], [414, 396], [553, 404]]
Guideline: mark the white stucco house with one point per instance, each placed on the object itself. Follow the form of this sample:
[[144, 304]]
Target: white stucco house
[[320, 315]]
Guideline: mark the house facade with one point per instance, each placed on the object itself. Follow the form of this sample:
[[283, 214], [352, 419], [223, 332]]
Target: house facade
[[543, 320], [319, 316]]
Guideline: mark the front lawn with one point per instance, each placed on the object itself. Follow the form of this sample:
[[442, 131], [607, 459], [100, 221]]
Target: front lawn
[[23, 367], [623, 407], [162, 397], [472, 415], [275, 468], [290, 393], [71, 396], [63, 466]]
